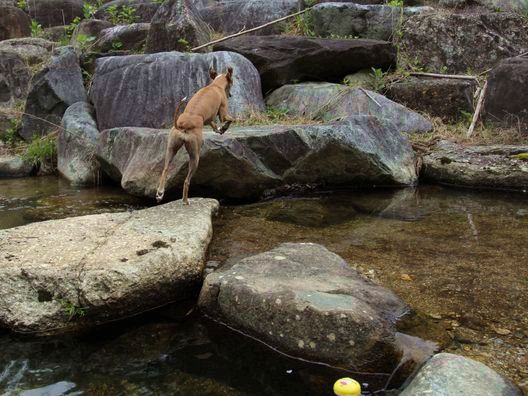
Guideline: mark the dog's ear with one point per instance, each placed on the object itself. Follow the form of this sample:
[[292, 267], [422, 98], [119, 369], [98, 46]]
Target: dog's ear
[[212, 73], [229, 73]]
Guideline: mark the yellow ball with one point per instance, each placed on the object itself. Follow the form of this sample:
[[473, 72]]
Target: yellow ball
[[347, 387]]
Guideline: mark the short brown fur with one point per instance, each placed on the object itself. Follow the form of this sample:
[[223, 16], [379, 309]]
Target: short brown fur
[[203, 108]]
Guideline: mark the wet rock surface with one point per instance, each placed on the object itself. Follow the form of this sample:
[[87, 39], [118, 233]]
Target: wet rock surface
[[283, 60], [307, 301], [326, 101], [124, 92], [101, 267], [496, 167], [455, 375], [246, 162]]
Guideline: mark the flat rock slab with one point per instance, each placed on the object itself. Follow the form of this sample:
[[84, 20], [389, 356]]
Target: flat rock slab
[[494, 167], [326, 101], [305, 300], [451, 375], [246, 162], [143, 90], [284, 60], [101, 267]]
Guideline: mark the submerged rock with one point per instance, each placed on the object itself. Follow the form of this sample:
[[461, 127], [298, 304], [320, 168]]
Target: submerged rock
[[495, 167], [246, 162], [326, 101], [76, 145], [143, 90], [69, 274], [284, 60], [53, 90], [453, 375], [306, 301], [461, 42]]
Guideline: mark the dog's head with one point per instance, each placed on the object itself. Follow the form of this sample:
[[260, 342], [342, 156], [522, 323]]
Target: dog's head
[[228, 76]]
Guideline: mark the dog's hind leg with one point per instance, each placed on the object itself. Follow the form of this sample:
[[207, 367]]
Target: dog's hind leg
[[193, 148], [174, 143], [214, 126]]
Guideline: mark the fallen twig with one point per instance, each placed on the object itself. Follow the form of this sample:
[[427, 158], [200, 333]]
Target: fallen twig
[[457, 76], [370, 96], [250, 30], [477, 110]]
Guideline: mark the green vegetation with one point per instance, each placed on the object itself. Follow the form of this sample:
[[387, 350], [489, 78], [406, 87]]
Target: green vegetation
[[10, 136], [274, 116], [36, 29], [22, 4], [83, 41], [72, 310], [117, 45], [301, 25], [123, 15], [89, 10], [378, 79], [41, 149], [186, 46]]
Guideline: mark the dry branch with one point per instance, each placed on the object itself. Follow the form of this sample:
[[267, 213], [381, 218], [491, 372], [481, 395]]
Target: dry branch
[[477, 110], [435, 75]]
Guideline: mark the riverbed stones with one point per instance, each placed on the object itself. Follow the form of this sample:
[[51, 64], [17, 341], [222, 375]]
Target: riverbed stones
[[327, 101], [233, 16], [53, 90], [76, 145], [372, 21], [458, 43], [143, 10], [14, 166], [177, 26], [144, 90], [453, 375], [284, 60], [55, 12], [14, 78], [447, 98], [14, 23], [493, 167], [506, 99], [247, 162], [101, 267], [130, 37], [306, 301]]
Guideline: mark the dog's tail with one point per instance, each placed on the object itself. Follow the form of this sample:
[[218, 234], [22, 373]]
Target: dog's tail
[[177, 111]]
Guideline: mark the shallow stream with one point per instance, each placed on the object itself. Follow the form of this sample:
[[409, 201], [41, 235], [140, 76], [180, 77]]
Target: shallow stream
[[458, 258]]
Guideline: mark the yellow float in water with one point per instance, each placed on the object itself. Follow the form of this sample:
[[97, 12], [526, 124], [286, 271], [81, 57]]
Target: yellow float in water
[[347, 387]]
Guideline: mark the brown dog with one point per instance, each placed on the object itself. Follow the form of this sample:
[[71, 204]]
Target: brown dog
[[203, 108]]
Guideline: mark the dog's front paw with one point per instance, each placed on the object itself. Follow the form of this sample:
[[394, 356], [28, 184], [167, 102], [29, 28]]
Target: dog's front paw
[[159, 196]]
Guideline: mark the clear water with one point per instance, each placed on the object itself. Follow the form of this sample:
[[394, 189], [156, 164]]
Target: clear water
[[458, 258]]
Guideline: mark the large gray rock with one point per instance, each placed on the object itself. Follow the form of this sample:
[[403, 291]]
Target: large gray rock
[[101, 267], [55, 12], [378, 22], [306, 301], [451, 375], [177, 26], [446, 98], [232, 16], [76, 145], [90, 28], [143, 90], [283, 60], [461, 42], [495, 167], [326, 101], [32, 49], [123, 37], [53, 90], [246, 162], [14, 78], [14, 23], [14, 166], [144, 10], [506, 99]]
